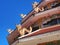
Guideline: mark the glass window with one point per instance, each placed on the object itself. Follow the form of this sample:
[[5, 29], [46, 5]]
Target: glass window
[[58, 20], [52, 22]]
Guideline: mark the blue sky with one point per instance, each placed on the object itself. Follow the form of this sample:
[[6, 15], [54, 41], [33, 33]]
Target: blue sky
[[10, 11]]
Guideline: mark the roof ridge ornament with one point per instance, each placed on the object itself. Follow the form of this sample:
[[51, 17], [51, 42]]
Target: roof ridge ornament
[[35, 4], [18, 26], [22, 15], [22, 31], [10, 31]]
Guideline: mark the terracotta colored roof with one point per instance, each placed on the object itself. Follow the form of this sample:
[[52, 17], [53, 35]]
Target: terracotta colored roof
[[42, 4], [47, 13]]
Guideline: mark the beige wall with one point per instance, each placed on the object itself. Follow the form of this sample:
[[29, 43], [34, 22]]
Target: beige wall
[[40, 38]]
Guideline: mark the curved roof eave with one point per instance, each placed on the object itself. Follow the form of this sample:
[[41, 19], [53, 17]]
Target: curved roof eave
[[47, 13], [41, 4]]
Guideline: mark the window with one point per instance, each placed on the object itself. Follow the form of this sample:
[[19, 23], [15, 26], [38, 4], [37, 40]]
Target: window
[[58, 4], [35, 28], [52, 22]]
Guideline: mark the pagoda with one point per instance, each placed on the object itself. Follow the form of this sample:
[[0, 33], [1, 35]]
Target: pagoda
[[41, 26]]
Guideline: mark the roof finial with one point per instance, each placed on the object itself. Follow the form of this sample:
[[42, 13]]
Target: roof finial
[[22, 15], [35, 4], [18, 26], [10, 31]]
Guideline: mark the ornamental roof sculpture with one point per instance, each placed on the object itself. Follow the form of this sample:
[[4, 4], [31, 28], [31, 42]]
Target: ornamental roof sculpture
[[10, 31], [23, 31], [22, 15], [35, 4]]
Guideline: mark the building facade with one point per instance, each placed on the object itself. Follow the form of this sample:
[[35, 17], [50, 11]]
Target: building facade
[[45, 22]]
